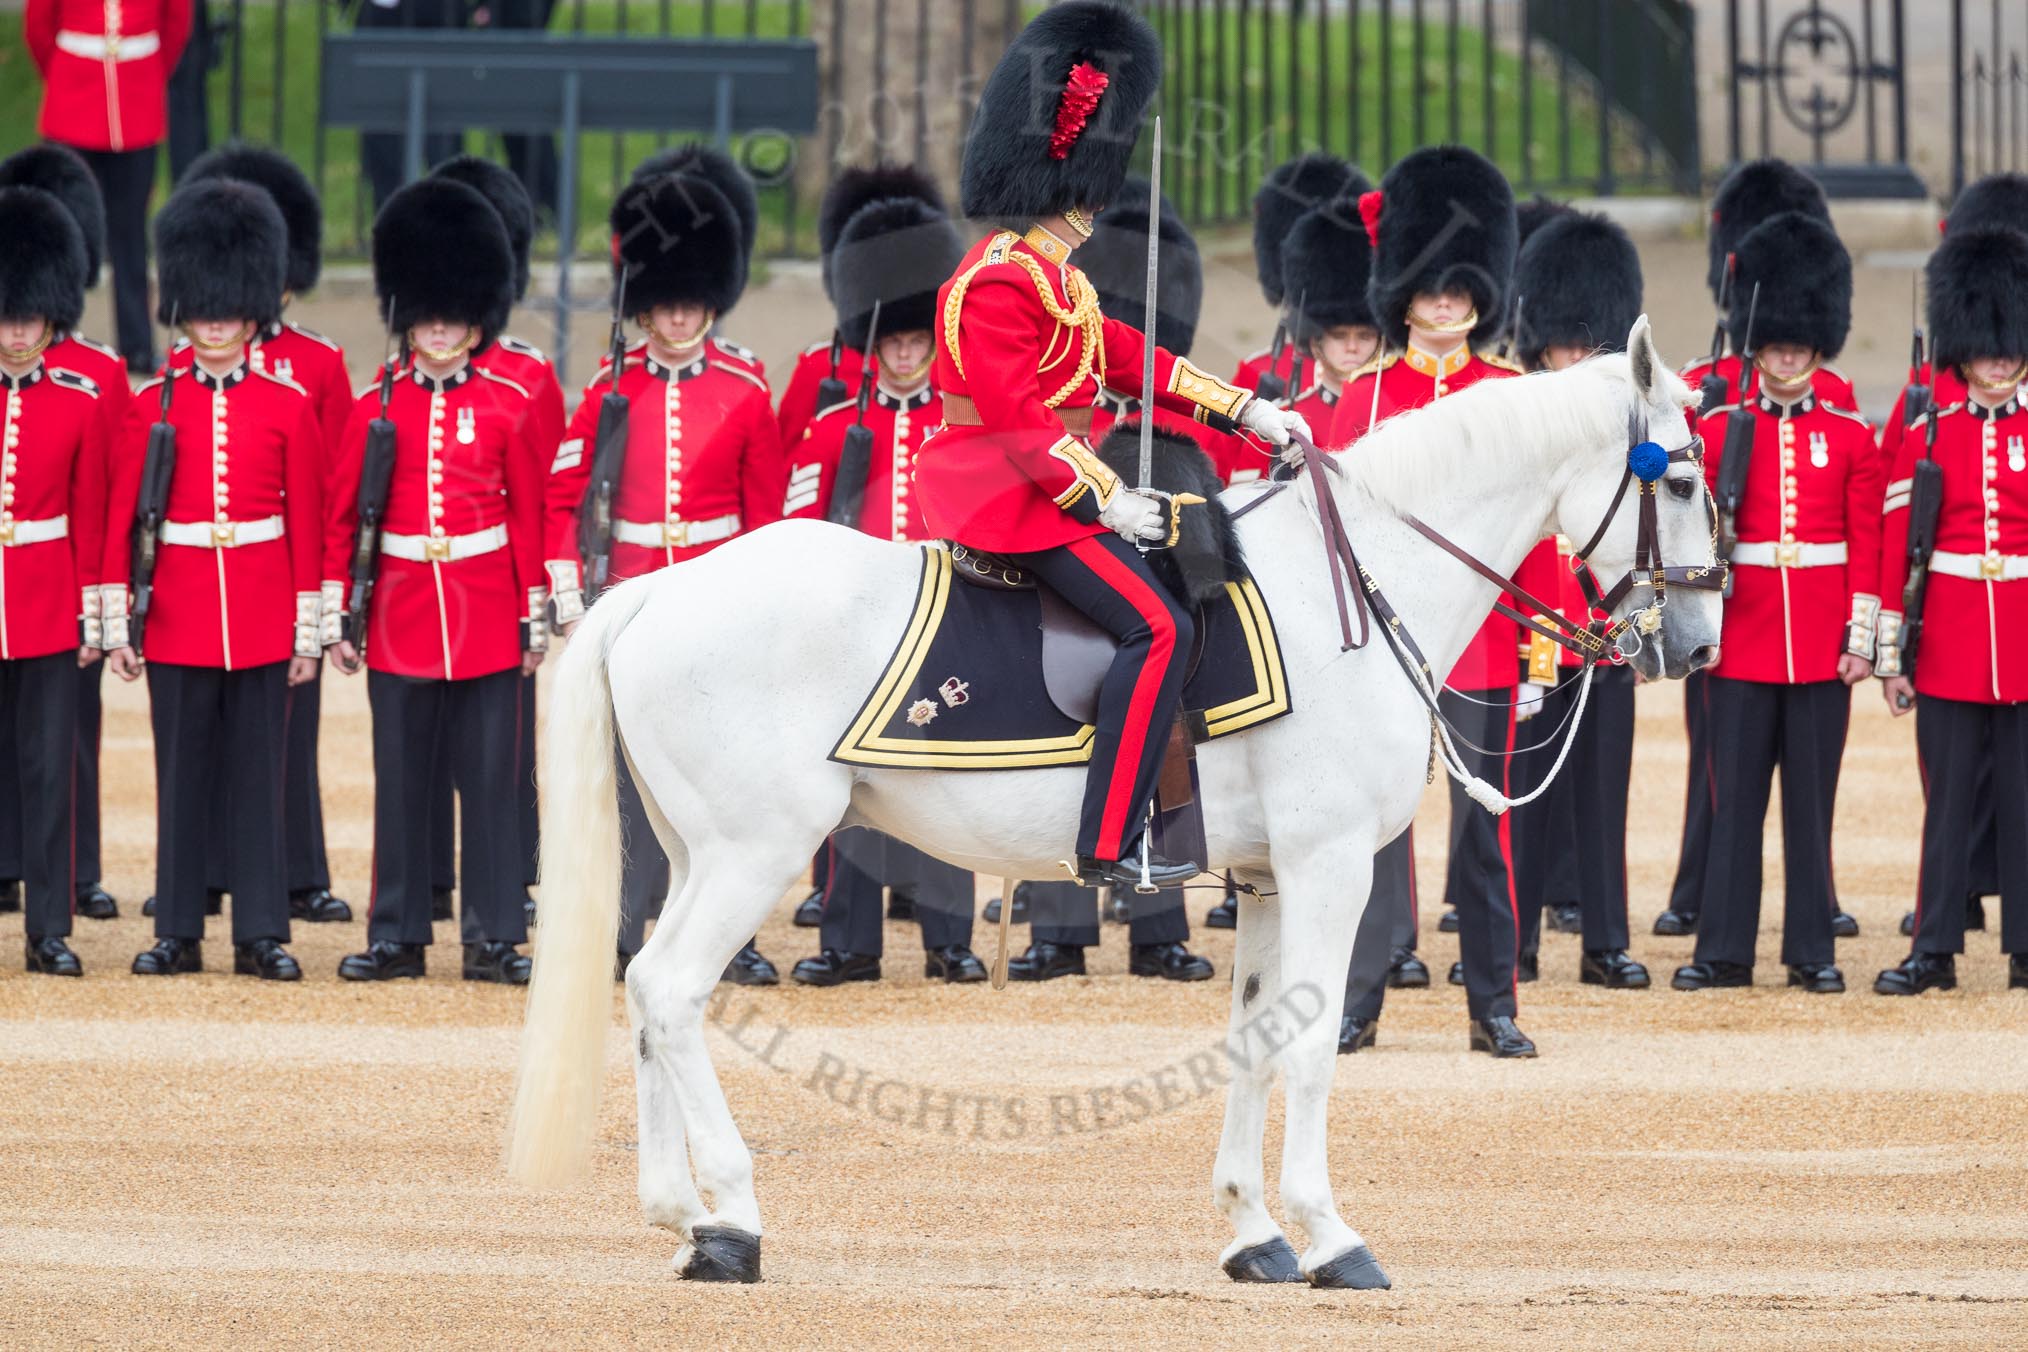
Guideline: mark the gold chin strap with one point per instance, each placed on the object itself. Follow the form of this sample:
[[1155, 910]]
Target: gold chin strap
[[1076, 219], [1465, 325], [2004, 388], [1801, 378], [902, 382], [443, 354], [245, 332], [23, 355]]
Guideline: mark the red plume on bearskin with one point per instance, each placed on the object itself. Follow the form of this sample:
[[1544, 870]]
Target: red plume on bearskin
[[1370, 206], [1080, 97]]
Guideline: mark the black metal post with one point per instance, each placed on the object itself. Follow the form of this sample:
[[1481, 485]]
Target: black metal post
[[1527, 96], [1243, 44], [1416, 55], [1221, 168], [1486, 36], [281, 70], [1606, 183], [1563, 173], [1387, 86], [1451, 61], [1869, 67], [238, 66], [879, 96], [1323, 77], [1735, 148], [1355, 83], [922, 40], [1764, 99], [1898, 19]]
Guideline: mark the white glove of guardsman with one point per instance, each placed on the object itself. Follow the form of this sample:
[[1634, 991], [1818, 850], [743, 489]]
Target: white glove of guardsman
[[1277, 425], [1138, 517]]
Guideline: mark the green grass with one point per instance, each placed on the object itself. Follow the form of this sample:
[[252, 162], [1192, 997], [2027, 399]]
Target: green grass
[[1218, 149]]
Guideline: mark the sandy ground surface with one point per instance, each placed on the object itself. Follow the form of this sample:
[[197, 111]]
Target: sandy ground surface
[[215, 1158]]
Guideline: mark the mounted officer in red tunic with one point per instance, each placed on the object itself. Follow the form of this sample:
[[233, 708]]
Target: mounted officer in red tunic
[[1022, 350]]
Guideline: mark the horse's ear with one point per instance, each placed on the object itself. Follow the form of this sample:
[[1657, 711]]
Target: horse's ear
[[1641, 356]]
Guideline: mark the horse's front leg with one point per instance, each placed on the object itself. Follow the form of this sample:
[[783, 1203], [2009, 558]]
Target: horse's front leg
[[1321, 899], [1259, 1252]]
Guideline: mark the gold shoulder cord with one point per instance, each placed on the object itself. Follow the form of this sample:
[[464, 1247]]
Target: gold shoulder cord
[[1082, 313]]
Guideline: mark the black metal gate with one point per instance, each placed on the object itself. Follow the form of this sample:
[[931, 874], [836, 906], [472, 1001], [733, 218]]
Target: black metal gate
[[1989, 89]]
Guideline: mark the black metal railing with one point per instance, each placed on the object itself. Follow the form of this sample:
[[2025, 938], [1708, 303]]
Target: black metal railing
[[1989, 90], [1568, 96]]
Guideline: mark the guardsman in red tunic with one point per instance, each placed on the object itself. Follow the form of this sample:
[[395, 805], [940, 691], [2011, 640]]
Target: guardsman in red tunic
[[58, 171], [701, 465], [1326, 262], [1580, 277], [722, 172], [894, 252], [827, 372], [1749, 195], [1800, 623], [318, 365], [526, 365], [1436, 307], [235, 616], [1022, 351], [457, 613], [1969, 679], [1291, 190], [52, 519], [105, 69]]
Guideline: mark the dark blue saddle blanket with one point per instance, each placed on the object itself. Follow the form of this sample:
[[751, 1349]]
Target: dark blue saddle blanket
[[965, 688]]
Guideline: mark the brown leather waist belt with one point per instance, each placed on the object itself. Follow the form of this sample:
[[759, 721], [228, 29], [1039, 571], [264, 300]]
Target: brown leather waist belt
[[960, 411]]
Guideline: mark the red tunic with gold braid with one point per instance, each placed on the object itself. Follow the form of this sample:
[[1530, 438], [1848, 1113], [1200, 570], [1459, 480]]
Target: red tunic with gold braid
[[461, 551], [1806, 570], [900, 424], [1397, 383], [236, 576], [1021, 353], [703, 464], [1975, 610], [52, 512]]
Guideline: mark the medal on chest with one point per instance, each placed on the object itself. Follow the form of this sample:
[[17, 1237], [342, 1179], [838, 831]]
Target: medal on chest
[[2017, 455], [1820, 450], [468, 426]]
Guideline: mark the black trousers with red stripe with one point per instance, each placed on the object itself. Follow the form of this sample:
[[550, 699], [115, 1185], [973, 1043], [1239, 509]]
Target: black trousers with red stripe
[[1974, 762], [1107, 579], [85, 851], [218, 741], [1687, 892], [862, 863], [39, 696], [1755, 727], [472, 724]]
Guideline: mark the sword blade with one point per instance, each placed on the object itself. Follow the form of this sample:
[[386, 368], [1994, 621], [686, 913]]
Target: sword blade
[[1148, 315]]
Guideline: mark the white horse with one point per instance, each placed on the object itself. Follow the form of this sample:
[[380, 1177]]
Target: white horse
[[729, 679]]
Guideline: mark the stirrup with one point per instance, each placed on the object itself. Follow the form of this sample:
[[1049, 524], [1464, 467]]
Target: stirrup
[[1126, 873]]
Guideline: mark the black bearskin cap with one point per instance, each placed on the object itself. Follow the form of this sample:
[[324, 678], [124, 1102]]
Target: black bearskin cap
[[276, 174], [1207, 554], [1446, 219], [1805, 280], [899, 252], [854, 188], [1978, 295], [1578, 278], [679, 242], [441, 252], [1010, 174], [1115, 259], [221, 252], [1532, 215], [1749, 195], [62, 173], [43, 267], [1291, 190], [1996, 199], [1327, 262], [498, 185], [719, 170]]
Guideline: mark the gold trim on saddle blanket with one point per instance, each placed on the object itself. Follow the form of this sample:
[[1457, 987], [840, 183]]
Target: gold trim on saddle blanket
[[864, 742]]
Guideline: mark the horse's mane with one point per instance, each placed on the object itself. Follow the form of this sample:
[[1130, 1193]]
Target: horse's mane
[[1412, 455]]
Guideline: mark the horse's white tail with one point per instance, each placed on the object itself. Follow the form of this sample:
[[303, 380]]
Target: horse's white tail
[[570, 1001]]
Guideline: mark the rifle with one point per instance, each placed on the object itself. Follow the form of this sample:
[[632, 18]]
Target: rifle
[[855, 458], [1712, 387], [1730, 489], [1268, 385], [1925, 504], [609, 454], [376, 475], [151, 508], [831, 390], [1916, 397]]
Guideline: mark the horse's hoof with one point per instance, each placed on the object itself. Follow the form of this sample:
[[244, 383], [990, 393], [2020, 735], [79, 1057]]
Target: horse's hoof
[[721, 1253], [1354, 1270], [1272, 1261]]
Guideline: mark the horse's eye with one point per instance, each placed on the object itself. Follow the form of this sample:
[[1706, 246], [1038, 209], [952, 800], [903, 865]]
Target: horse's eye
[[1680, 489]]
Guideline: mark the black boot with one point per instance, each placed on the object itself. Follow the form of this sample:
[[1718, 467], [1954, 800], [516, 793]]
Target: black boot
[[1406, 971], [316, 906], [834, 968], [170, 956], [1818, 978], [383, 961], [148, 907], [1020, 916], [810, 911], [1844, 925], [95, 903], [1705, 976], [10, 895], [1613, 969], [52, 957], [1225, 915], [1565, 919], [900, 906], [500, 963], [1126, 873], [266, 959], [1674, 924], [1528, 967], [1975, 913], [1171, 962], [1356, 1034], [1501, 1037], [2017, 971], [1046, 961], [1919, 972], [1908, 924], [1447, 923], [954, 963], [749, 968]]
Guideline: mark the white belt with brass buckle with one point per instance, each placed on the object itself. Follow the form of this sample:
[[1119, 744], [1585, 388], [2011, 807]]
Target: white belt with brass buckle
[[14, 533], [221, 534], [443, 548], [1769, 554], [94, 47], [1992, 567], [674, 534]]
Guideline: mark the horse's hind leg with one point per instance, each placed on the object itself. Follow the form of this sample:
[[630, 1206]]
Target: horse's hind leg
[[1259, 1252], [1321, 899], [668, 1196]]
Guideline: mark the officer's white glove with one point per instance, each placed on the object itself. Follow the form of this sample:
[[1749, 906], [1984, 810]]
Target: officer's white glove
[[1528, 700], [1136, 516], [1277, 425]]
